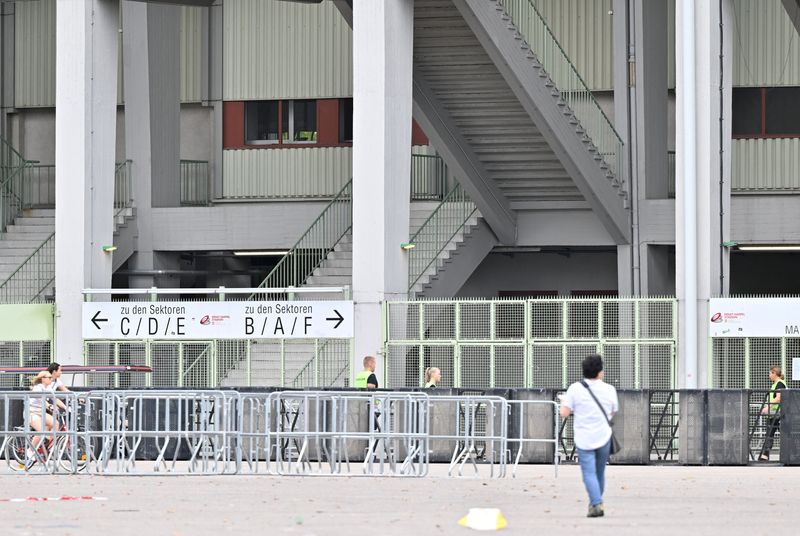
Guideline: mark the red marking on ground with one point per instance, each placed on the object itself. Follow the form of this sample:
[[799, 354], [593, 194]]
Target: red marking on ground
[[62, 498]]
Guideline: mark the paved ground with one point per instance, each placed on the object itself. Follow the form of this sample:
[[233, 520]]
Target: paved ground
[[639, 500]]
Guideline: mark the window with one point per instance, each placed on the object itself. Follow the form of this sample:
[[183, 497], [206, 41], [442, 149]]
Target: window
[[345, 120], [273, 122], [299, 121], [261, 122], [766, 112], [782, 113]]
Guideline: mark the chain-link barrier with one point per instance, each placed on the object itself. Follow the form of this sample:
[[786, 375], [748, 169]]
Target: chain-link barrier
[[532, 343]]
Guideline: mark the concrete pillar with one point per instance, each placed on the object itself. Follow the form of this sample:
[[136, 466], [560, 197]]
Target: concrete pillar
[[212, 88], [640, 114], [86, 98], [382, 80], [151, 56], [6, 63], [703, 159], [650, 49]]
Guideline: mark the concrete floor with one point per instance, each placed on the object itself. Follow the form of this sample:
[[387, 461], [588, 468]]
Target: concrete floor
[[639, 500]]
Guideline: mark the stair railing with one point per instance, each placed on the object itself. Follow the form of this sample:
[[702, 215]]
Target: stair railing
[[438, 230], [123, 187], [569, 83], [308, 253], [28, 282], [12, 183]]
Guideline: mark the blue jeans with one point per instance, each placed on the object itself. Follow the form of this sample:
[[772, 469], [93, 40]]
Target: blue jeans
[[593, 467]]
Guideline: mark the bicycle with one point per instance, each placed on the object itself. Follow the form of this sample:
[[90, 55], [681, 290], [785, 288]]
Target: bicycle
[[51, 447]]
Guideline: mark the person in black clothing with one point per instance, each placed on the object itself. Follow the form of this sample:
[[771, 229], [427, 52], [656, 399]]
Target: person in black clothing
[[772, 410]]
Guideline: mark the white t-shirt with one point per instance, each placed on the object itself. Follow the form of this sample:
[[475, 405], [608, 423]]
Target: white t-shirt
[[55, 384], [590, 425], [36, 401]]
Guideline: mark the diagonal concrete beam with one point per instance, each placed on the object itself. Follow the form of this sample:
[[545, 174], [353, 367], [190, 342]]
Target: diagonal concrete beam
[[536, 97], [792, 8], [463, 162]]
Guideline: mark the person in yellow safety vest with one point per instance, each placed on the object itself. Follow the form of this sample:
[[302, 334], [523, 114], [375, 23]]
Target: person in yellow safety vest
[[772, 410], [366, 379]]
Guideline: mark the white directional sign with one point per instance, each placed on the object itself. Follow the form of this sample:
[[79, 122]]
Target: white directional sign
[[218, 320], [754, 317]]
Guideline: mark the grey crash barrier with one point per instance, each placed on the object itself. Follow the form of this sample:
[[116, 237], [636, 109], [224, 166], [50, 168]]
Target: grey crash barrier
[[632, 427], [790, 427], [728, 440]]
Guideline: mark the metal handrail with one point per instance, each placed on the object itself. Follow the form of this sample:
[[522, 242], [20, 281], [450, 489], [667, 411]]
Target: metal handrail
[[307, 254], [12, 183], [573, 90], [39, 266], [40, 180], [438, 230], [195, 184], [428, 176], [123, 188]]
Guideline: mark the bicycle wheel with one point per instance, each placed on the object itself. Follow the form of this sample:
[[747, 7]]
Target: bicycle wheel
[[15, 454], [64, 453]]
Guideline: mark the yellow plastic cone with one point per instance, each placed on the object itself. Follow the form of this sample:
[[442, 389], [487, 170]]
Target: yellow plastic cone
[[484, 519]]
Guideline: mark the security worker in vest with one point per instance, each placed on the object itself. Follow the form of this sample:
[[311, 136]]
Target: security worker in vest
[[366, 379], [772, 410]]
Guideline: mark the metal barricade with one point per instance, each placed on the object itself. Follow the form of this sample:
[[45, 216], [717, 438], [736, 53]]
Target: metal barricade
[[764, 435], [341, 433], [478, 432], [40, 432], [664, 425], [181, 432], [533, 416]]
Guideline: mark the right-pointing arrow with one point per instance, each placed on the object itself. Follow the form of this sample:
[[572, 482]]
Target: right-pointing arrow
[[338, 318]]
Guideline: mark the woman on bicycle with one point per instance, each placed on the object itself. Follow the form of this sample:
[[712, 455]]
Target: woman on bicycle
[[38, 406]]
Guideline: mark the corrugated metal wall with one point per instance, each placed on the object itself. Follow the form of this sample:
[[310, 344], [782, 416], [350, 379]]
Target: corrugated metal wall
[[286, 173], [763, 164], [766, 47], [584, 30], [275, 50], [35, 54], [191, 54]]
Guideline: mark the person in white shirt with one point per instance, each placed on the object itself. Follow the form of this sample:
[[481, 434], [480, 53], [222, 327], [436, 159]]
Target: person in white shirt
[[592, 431], [57, 385], [38, 405]]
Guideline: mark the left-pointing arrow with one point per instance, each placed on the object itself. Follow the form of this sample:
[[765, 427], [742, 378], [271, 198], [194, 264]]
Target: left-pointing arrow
[[96, 318]]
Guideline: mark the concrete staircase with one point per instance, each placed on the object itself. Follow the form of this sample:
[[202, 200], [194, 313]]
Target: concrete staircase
[[337, 269], [21, 240], [296, 356]]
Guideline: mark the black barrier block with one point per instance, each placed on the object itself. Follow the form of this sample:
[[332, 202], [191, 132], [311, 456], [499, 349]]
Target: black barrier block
[[537, 421], [692, 440], [632, 427], [11, 415], [728, 440], [790, 427], [443, 421]]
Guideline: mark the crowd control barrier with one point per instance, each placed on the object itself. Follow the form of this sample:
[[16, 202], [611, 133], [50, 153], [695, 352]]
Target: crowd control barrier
[[376, 433]]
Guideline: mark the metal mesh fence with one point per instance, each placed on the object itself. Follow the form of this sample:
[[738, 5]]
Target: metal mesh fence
[[531, 343], [23, 354], [230, 363], [744, 362]]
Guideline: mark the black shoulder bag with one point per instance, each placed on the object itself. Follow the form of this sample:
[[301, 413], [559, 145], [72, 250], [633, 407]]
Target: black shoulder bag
[[616, 446]]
